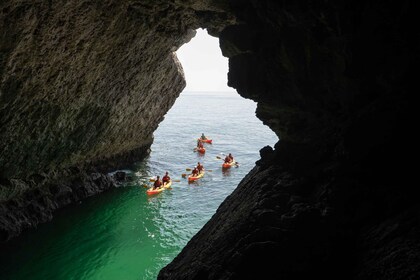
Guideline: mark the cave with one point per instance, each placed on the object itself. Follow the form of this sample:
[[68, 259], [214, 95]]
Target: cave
[[335, 196]]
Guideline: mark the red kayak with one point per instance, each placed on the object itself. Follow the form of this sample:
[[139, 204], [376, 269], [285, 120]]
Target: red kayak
[[228, 165], [206, 140], [201, 150]]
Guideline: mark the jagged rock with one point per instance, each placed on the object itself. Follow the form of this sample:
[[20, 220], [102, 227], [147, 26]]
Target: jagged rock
[[333, 79]]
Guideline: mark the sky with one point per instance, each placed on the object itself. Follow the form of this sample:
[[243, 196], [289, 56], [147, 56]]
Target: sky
[[204, 65]]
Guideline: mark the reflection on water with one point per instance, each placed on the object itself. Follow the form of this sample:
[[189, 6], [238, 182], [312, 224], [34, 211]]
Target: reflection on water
[[226, 172]]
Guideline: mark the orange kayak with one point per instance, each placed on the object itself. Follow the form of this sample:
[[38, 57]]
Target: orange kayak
[[192, 178], [201, 150], [152, 191], [228, 165], [205, 140]]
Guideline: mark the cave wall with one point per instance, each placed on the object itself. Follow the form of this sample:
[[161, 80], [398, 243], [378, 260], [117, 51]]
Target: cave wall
[[83, 85], [335, 198], [72, 82]]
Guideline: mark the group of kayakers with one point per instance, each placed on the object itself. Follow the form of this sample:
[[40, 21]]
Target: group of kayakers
[[161, 183], [196, 171], [200, 141], [199, 168]]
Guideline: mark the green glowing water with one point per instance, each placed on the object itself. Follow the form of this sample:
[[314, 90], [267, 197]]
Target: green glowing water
[[124, 234]]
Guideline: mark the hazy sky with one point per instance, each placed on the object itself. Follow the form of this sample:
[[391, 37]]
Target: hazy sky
[[204, 65]]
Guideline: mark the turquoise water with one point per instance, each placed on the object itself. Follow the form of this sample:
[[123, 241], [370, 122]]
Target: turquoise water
[[123, 233]]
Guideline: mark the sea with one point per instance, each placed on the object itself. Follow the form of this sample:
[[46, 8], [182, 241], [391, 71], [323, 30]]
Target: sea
[[125, 233]]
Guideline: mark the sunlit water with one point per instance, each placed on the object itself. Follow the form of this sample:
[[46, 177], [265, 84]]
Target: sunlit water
[[124, 234]]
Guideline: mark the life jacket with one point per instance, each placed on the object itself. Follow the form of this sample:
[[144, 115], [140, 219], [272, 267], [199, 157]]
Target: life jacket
[[157, 184]]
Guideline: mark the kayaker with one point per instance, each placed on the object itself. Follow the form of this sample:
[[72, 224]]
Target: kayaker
[[157, 184], [199, 144], [228, 159], [231, 157], [203, 137], [194, 172], [200, 167], [166, 178]]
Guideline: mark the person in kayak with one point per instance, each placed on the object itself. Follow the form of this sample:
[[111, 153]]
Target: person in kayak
[[157, 184], [194, 172], [200, 167], [228, 159], [166, 178], [203, 137], [231, 157], [199, 145]]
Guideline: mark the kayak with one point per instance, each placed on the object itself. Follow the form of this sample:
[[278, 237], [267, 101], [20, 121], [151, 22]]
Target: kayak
[[201, 150], [151, 191], [205, 140], [227, 165], [191, 178]]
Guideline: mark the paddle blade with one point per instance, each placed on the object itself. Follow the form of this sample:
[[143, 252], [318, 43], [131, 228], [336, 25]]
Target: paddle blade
[[183, 175], [188, 169], [145, 186], [218, 157], [209, 170], [152, 180], [177, 180]]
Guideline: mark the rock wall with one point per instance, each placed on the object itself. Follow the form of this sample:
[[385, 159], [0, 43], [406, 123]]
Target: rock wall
[[83, 84], [334, 199]]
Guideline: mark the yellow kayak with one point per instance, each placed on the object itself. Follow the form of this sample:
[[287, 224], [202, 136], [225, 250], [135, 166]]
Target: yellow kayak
[[192, 178], [152, 191]]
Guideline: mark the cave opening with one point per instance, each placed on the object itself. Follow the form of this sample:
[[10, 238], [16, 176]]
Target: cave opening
[[144, 233], [205, 68]]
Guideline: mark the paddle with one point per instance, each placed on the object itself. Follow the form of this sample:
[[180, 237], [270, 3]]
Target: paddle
[[189, 169]]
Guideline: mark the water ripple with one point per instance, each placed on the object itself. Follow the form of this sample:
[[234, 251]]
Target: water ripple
[[124, 234]]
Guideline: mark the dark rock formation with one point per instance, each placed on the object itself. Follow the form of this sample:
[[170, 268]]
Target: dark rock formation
[[29, 202], [85, 83], [334, 199]]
